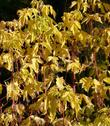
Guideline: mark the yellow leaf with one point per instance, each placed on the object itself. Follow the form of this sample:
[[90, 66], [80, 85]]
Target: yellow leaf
[[86, 83], [13, 91], [52, 11], [85, 6], [74, 66], [39, 121], [73, 4], [97, 18], [97, 85], [26, 122], [77, 24], [45, 104], [53, 109], [87, 100], [74, 101], [35, 65], [107, 80], [60, 83], [20, 108], [1, 88], [53, 59], [45, 10], [47, 46], [96, 82]]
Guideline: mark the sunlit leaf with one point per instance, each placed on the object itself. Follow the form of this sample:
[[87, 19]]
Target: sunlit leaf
[[53, 108], [13, 91], [45, 10], [74, 66], [86, 83], [20, 108], [73, 4], [107, 80], [85, 6], [77, 24], [26, 122], [87, 100], [37, 48], [97, 84], [38, 120], [60, 83]]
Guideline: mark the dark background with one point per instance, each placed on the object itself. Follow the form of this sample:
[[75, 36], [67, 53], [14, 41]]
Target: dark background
[[8, 8]]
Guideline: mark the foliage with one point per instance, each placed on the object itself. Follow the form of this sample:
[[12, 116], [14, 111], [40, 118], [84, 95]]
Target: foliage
[[36, 48]]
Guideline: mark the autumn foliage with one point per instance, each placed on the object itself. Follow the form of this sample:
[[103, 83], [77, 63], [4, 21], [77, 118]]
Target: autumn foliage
[[60, 71]]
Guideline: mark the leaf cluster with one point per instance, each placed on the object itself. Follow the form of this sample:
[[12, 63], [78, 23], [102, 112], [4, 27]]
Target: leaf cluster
[[36, 48]]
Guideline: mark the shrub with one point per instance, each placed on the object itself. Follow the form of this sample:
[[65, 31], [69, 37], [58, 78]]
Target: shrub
[[60, 71]]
